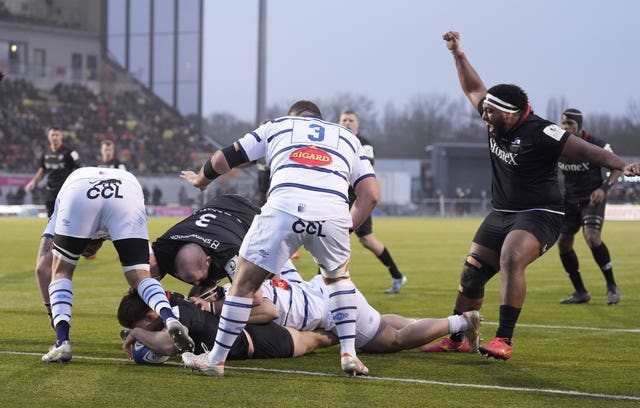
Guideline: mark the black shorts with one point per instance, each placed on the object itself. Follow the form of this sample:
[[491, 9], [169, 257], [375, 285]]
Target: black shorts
[[270, 340], [495, 227], [365, 228], [577, 213]]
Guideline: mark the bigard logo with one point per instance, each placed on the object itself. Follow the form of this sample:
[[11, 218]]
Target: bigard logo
[[311, 156]]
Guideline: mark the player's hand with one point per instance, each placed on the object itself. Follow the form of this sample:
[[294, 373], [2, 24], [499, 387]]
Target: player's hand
[[127, 346], [204, 305], [632, 169], [193, 178], [597, 196], [452, 40]]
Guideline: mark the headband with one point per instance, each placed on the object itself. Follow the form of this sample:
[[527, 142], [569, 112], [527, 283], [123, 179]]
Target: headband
[[500, 104]]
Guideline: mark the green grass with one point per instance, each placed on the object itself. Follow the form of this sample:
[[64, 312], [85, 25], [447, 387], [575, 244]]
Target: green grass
[[564, 354]]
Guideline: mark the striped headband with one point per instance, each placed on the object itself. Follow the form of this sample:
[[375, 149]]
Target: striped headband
[[500, 104]]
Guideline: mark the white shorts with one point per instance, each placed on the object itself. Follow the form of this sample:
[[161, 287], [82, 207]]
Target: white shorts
[[275, 235], [93, 204]]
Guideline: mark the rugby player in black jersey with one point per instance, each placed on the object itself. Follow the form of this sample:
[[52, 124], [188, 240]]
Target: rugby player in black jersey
[[526, 199], [258, 340], [57, 163], [203, 248], [585, 194]]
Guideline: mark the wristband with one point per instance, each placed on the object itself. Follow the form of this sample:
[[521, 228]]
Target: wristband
[[606, 186], [208, 171]]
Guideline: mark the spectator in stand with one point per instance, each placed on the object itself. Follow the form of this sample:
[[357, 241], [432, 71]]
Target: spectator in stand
[[156, 196]]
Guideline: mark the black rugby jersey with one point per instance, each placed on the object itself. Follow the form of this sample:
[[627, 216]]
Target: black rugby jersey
[[112, 164], [218, 227], [581, 178], [58, 165], [368, 148], [524, 165], [203, 327]]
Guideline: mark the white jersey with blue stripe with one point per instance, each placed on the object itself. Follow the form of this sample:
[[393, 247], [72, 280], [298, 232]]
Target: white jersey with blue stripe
[[312, 162]]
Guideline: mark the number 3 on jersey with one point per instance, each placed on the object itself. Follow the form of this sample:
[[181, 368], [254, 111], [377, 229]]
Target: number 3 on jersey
[[314, 133]]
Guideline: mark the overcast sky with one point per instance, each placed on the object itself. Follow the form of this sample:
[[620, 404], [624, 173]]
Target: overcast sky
[[392, 50]]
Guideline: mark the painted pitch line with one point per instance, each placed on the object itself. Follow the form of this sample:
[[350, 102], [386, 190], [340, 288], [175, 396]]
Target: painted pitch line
[[386, 379], [544, 326]]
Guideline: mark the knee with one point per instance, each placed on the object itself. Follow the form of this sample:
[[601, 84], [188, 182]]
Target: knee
[[475, 274], [329, 276]]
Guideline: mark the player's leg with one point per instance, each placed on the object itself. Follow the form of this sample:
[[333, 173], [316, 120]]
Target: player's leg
[[331, 251], [43, 271], [66, 253], [592, 227], [266, 247], [571, 223], [530, 235], [479, 267]]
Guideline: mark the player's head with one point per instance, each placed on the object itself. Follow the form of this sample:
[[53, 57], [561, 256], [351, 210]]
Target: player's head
[[502, 107], [350, 120], [304, 108], [572, 120], [54, 134], [107, 149], [134, 312], [192, 264]]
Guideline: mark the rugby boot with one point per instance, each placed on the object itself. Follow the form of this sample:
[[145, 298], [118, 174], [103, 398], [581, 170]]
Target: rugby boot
[[201, 363], [448, 345], [499, 348], [352, 365], [61, 353], [396, 285], [472, 334], [577, 297], [613, 295], [179, 335]]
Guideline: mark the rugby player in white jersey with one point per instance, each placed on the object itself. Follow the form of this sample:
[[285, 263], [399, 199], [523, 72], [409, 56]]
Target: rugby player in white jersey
[[313, 163], [304, 305], [95, 199]]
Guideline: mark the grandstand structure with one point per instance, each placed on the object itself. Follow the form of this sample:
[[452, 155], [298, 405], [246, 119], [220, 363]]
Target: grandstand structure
[[119, 69]]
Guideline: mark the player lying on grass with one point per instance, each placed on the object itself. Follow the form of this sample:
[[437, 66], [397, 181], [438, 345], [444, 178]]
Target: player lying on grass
[[267, 340], [304, 305]]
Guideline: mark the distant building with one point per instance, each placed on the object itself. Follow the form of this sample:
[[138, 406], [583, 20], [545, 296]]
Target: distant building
[[107, 43]]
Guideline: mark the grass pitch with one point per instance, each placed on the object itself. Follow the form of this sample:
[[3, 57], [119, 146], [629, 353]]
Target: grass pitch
[[564, 355]]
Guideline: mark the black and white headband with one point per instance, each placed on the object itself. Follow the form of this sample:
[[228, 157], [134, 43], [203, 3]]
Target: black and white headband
[[500, 104]]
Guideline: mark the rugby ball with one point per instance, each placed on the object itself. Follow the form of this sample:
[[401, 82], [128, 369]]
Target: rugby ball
[[142, 355]]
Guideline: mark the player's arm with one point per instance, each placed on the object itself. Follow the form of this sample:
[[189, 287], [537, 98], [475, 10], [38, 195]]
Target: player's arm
[[263, 312], [159, 342], [470, 81], [579, 150], [368, 193], [35, 180], [220, 163], [74, 160]]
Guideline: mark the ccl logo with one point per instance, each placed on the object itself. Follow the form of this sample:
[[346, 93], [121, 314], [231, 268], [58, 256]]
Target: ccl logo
[[310, 227], [105, 189]]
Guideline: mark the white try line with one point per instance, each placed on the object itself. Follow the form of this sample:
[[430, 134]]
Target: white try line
[[544, 326], [386, 379]]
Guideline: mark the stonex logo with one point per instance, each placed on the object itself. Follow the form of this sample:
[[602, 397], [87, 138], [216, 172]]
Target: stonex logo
[[311, 156]]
